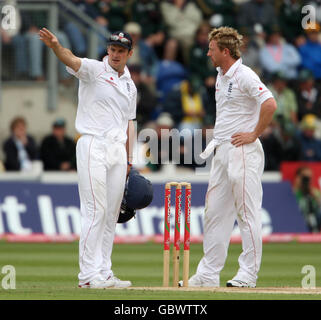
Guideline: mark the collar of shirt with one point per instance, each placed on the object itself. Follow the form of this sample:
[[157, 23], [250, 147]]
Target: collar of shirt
[[231, 70], [110, 69]]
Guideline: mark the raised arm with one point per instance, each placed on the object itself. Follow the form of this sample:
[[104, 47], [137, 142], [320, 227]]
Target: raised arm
[[63, 54]]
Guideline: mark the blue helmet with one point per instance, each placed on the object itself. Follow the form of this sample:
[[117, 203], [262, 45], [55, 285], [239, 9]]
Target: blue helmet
[[138, 195]]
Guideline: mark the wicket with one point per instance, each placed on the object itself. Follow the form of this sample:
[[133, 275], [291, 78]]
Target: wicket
[[176, 248]]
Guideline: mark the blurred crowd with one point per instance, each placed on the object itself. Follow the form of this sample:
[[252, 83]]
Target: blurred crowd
[[57, 151], [174, 76], [308, 198]]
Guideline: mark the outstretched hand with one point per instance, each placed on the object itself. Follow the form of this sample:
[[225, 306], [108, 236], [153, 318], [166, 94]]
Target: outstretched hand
[[48, 38]]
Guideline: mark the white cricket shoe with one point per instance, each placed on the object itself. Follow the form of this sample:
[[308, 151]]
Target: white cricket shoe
[[98, 284], [240, 284], [120, 283], [196, 281]]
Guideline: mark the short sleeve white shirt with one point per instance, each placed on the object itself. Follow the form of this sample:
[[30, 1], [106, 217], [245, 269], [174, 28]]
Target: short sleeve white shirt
[[106, 102], [239, 95]]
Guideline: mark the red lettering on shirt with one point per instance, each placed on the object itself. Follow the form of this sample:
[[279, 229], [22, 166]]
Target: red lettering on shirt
[[114, 84]]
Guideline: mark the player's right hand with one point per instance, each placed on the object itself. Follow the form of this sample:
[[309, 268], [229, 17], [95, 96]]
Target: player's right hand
[[48, 38]]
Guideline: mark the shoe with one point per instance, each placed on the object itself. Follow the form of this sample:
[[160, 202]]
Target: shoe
[[196, 281], [120, 283], [98, 284], [240, 284]]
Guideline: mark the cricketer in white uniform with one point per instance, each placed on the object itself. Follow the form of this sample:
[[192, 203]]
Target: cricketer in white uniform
[[106, 108], [244, 109]]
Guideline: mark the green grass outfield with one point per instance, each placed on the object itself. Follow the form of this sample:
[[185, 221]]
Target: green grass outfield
[[49, 271]]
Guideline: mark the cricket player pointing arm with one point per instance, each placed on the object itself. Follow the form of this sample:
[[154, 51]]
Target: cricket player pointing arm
[[244, 109], [106, 108]]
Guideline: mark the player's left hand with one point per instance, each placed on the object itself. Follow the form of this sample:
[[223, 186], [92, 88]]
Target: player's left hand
[[238, 139]]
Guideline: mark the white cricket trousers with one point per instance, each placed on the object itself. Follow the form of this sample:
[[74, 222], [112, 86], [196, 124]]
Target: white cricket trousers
[[102, 168], [234, 192]]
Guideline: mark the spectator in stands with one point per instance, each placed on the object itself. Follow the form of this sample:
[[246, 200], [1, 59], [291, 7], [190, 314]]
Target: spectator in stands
[[148, 14], [289, 19], [309, 198], [170, 72], [272, 150], [58, 151], [191, 109], [28, 50], [199, 63], [308, 95], [218, 13], [114, 11], [20, 149], [77, 38], [256, 14], [250, 53], [278, 55], [188, 104], [161, 155], [72, 29], [290, 144], [311, 52], [285, 98], [146, 99], [280, 143], [144, 55], [182, 18], [311, 147], [102, 22]]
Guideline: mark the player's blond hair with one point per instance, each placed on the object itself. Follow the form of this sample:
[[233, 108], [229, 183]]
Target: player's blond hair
[[229, 38]]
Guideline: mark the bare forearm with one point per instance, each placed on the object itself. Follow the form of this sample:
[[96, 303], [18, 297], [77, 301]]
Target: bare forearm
[[67, 57], [268, 108], [130, 140], [63, 54]]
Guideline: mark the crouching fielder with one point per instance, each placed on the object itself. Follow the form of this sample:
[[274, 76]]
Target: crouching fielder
[[244, 109], [106, 108]]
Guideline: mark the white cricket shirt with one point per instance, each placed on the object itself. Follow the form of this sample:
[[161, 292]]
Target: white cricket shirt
[[106, 102], [239, 95]]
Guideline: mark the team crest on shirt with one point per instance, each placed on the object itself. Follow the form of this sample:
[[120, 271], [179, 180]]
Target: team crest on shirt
[[229, 90], [112, 83], [230, 86]]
